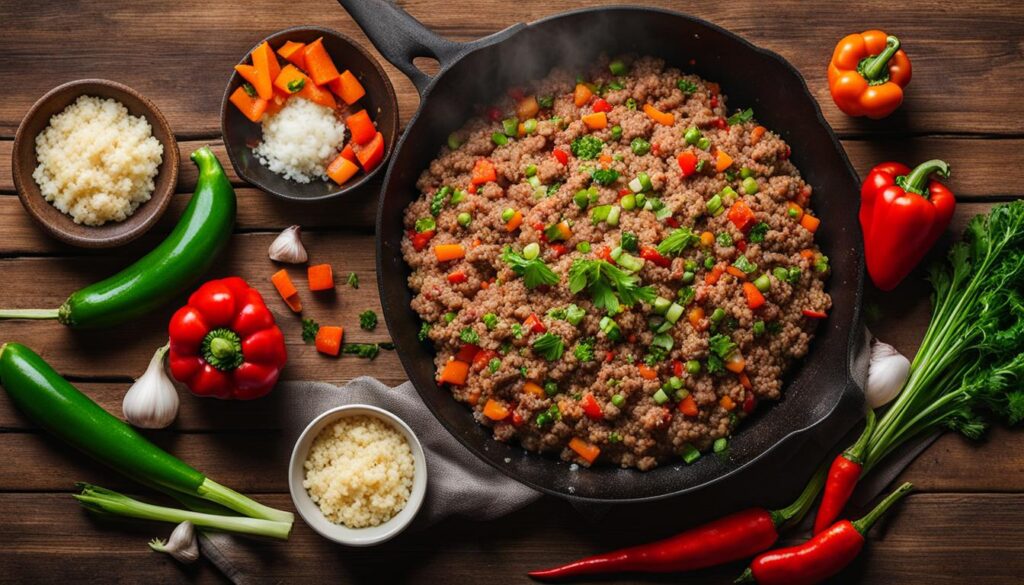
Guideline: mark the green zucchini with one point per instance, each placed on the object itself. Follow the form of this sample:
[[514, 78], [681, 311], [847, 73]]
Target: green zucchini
[[167, 270], [54, 404]]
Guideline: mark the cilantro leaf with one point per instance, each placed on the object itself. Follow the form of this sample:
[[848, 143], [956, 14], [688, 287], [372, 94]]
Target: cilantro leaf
[[550, 346], [740, 117], [368, 320], [686, 86], [424, 331], [679, 240], [309, 330], [534, 272], [609, 285]]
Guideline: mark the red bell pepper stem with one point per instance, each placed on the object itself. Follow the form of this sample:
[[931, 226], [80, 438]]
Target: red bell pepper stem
[[876, 68], [917, 180], [842, 478], [822, 556], [731, 538]]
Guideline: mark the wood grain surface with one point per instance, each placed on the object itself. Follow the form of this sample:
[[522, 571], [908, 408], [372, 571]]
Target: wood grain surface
[[965, 523]]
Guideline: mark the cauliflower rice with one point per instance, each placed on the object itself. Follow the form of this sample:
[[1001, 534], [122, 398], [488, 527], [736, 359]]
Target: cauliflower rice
[[97, 163], [300, 141], [359, 471]]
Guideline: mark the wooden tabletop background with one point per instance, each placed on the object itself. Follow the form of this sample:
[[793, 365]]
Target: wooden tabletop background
[[965, 522]]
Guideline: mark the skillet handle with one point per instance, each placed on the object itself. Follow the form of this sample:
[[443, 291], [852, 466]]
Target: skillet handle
[[401, 38]]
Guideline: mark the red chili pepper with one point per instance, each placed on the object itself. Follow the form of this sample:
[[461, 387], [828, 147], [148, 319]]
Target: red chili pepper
[[225, 343], [902, 215], [420, 240], [651, 253], [842, 478], [604, 253], [625, 191], [600, 105], [822, 556], [687, 162], [727, 539], [609, 356], [591, 408], [561, 156]]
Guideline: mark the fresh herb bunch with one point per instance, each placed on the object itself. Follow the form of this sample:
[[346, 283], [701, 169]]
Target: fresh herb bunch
[[609, 285], [969, 370], [534, 272]]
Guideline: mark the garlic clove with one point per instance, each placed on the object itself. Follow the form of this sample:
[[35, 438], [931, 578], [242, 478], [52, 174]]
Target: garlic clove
[[182, 544], [152, 401], [887, 374], [288, 248]]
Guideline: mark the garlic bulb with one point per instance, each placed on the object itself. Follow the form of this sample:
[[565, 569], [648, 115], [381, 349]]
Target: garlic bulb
[[287, 247], [152, 401], [182, 545], [887, 373]]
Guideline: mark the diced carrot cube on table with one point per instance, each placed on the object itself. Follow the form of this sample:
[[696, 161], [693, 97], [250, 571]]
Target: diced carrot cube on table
[[328, 339], [321, 277], [285, 288]]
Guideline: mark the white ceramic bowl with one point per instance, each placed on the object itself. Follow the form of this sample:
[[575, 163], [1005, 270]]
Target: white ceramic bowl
[[310, 512]]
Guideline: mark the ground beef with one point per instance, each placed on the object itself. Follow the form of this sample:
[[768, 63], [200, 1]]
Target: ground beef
[[479, 300]]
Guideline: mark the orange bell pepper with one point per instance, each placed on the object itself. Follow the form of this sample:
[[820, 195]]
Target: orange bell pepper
[[527, 108], [446, 252], [581, 95], [454, 373], [867, 74], [596, 121], [587, 451], [495, 410], [663, 118]]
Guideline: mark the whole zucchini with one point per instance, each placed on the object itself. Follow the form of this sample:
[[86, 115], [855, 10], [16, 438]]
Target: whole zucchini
[[167, 270]]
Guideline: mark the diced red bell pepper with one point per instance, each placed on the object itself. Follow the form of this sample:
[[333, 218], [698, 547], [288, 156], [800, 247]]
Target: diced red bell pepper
[[721, 123], [457, 277], [688, 406], [604, 253], [814, 314], [483, 172], [600, 105], [741, 215], [482, 358], [651, 254], [591, 408], [494, 114], [672, 222], [561, 156], [420, 240], [755, 300], [741, 245], [558, 250], [677, 368], [467, 352], [517, 419], [533, 323], [371, 154], [687, 162]]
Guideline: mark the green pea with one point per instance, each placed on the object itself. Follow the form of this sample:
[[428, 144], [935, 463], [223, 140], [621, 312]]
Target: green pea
[[508, 214], [693, 367], [746, 172], [692, 135], [703, 143], [530, 170], [531, 251], [453, 141], [688, 277], [618, 400], [464, 219], [718, 315], [499, 139], [530, 126], [583, 247], [616, 132]]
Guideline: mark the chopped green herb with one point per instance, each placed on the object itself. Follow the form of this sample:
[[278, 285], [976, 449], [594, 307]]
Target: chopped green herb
[[640, 146], [546, 101], [549, 346], [724, 240], [758, 232], [740, 117], [493, 365], [469, 335], [586, 147], [631, 104], [720, 347], [424, 331], [629, 241], [680, 239], [605, 176], [552, 189], [368, 320], [534, 272], [309, 330], [584, 350], [296, 85], [617, 67], [609, 286], [686, 295], [425, 224], [365, 350], [686, 86], [490, 321], [744, 264], [517, 330], [574, 314]]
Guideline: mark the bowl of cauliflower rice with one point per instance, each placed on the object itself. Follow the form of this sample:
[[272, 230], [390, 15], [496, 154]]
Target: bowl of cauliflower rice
[[357, 475], [95, 163]]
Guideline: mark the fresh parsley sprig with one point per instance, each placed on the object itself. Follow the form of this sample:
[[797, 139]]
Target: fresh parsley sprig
[[534, 272], [609, 286]]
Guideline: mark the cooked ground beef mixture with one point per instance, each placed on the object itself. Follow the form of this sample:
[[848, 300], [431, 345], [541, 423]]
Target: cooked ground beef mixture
[[615, 268]]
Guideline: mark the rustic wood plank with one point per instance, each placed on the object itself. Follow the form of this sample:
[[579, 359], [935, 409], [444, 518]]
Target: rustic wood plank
[[928, 539], [124, 351], [965, 60]]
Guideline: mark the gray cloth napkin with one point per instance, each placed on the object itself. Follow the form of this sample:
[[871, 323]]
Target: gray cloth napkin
[[459, 484]]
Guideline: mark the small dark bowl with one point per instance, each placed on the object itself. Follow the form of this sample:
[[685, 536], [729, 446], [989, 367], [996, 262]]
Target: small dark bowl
[[241, 135], [59, 224]]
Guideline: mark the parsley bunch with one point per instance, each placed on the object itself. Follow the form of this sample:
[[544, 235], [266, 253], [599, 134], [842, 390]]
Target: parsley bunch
[[609, 286]]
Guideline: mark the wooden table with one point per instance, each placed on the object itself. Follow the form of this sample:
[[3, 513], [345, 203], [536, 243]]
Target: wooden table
[[966, 520]]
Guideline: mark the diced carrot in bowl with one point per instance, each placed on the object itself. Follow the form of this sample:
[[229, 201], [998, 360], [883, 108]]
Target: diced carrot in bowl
[[342, 169], [292, 52], [318, 95], [291, 80], [361, 127], [248, 73], [370, 155], [251, 106], [320, 277], [267, 69], [318, 63], [347, 87]]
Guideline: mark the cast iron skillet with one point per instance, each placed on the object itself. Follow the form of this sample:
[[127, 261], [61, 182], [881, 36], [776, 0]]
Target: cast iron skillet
[[822, 397]]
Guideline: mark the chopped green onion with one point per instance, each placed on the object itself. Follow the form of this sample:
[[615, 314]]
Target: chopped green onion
[[750, 185], [628, 202], [744, 264], [763, 283], [510, 126], [531, 251], [600, 213], [631, 104], [459, 196], [546, 101], [630, 263], [613, 216], [717, 315], [690, 454], [453, 141], [534, 181], [686, 295], [675, 383], [660, 397], [662, 341], [675, 311], [714, 205], [661, 304], [629, 241], [581, 198], [610, 328], [721, 444]]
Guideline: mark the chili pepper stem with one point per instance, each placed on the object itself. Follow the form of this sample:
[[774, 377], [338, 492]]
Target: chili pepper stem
[[858, 450], [29, 314], [874, 68], [795, 512], [868, 520], [916, 181]]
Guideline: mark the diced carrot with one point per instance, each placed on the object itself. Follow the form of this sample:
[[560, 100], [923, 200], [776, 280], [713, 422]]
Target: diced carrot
[[283, 284], [707, 239], [722, 160], [342, 169], [318, 95], [744, 380], [696, 316], [371, 154], [581, 95], [735, 362], [294, 303], [727, 403], [474, 397], [328, 339], [347, 87], [291, 80], [755, 299], [445, 252], [276, 103], [756, 134], [520, 129], [587, 451], [292, 52], [527, 108], [606, 160], [741, 215], [483, 172], [251, 107], [320, 277], [658, 116], [267, 70], [248, 73], [454, 373], [688, 406], [533, 388], [596, 121], [361, 127], [736, 272], [318, 63], [795, 211], [807, 254], [495, 410], [810, 223], [348, 153], [646, 372], [711, 278], [515, 222]]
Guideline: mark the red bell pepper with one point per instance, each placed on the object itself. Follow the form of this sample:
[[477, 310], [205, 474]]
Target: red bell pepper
[[224, 343], [902, 215], [651, 254]]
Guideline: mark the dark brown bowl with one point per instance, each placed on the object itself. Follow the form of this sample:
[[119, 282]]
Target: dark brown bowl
[[241, 135], [59, 224]]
